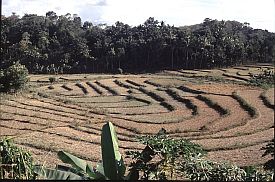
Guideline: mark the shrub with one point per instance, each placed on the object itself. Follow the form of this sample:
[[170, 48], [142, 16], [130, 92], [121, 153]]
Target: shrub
[[199, 169], [52, 79], [15, 163], [269, 150], [13, 78], [265, 79], [162, 156]]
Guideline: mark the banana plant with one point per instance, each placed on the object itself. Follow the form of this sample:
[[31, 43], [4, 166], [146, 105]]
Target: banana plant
[[112, 167], [113, 164]]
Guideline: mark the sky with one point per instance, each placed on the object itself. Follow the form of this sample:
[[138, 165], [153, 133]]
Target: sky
[[259, 13]]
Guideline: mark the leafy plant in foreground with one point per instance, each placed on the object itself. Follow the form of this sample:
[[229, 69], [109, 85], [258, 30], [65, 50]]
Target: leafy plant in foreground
[[162, 156], [167, 158], [15, 163], [112, 166], [269, 150], [199, 169]]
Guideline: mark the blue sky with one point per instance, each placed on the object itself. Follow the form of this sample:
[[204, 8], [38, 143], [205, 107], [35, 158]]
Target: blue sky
[[259, 13]]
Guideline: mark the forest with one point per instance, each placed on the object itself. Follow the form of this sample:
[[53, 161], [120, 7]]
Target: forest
[[175, 118], [55, 44]]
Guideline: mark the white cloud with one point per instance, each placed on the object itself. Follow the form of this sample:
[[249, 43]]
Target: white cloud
[[259, 13]]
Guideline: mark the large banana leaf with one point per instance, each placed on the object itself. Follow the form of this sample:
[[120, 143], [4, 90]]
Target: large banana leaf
[[54, 174], [77, 163], [113, 165], [100, 171], [73, 160]]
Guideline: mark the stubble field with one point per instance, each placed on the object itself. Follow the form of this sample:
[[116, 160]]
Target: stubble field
[[231, 121]]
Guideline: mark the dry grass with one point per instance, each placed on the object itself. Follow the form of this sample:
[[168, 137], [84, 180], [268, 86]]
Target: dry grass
[[69, 115]]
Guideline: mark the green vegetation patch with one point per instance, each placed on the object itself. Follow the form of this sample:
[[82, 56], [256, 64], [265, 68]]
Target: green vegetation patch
[[111, 90], [157, 98], [266, 100], [165, 82], [84, 89], [214, 105], [245, 105], [15, 163], [188, 103], [13, 78], [266, 79]]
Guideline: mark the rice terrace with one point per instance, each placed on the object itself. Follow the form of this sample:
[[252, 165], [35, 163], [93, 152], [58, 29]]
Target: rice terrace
[[83, 100], [230, 119]]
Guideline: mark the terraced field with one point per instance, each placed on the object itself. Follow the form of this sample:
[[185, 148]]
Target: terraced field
[[231, 121], [238, 73]]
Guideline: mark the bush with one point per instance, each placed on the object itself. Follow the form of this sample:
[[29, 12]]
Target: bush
[[13, 78], [269, 150], [52, 79], [15, 163], [162, 156], [200, 169], [265, 79], [167, 158]]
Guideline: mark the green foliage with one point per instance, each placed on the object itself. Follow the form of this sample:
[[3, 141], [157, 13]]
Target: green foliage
[[162, 156], [169, 147], [246, 106], [214, 105], [265, 79], [258, 174], [15, 163], [112, 167], [157, 98], [62, 44], [52, 79], [266, 100], [186, 89], [198, 168], [60, 173], [113, 164], [188, 103], [269, 150], [13, 78], [167, 158]]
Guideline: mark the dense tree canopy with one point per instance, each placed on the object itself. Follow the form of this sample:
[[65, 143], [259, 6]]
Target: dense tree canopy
[[63, 44]]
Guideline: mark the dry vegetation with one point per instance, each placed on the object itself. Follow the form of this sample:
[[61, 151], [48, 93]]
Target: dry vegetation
[[69, 114]]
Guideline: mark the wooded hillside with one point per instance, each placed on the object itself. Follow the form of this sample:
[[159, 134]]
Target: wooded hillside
[[63, 44]]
